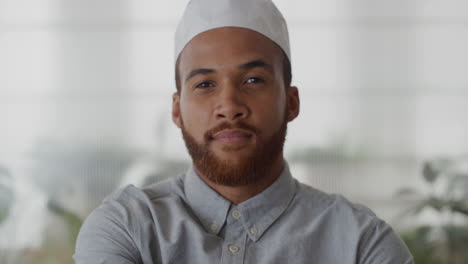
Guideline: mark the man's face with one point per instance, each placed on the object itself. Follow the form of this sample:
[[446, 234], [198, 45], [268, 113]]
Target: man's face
[[233, 106]]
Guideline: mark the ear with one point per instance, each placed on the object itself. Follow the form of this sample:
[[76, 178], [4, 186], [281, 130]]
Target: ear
[[293, 103], [176, 117]]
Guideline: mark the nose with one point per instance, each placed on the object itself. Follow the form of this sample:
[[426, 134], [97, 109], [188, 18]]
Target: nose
[[230, 105]]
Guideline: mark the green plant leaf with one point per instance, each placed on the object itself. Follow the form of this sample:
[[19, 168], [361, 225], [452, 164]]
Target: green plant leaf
[[6, 201], [436, 203], [423, 250], [460, 207], [457, 242], [429, 172], [414, 209], [459, 182], [408, 192], [72, 220]]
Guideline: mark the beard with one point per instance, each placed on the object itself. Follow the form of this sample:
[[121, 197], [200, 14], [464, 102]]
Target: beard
[[248, 169]]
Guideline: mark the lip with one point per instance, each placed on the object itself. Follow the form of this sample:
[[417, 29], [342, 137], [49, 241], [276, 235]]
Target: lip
[[233, 136]]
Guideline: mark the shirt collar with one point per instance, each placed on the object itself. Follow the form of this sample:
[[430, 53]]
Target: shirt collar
[[257, 214], [261, 211], [210, 207]]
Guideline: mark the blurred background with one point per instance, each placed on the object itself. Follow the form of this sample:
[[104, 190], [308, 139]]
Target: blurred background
[[85, 96]]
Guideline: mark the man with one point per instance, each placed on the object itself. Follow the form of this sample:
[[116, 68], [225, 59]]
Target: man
[[238, 203]]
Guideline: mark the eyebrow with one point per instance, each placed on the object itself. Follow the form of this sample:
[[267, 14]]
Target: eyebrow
[[256, 64], [202, 71], [245, 66]]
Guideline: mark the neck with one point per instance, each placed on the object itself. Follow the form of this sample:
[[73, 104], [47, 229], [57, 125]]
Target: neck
[[239, 194]]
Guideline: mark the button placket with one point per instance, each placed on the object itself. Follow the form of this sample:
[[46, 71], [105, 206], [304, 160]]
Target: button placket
[[236, 214], [214, 227], [253, 230], [235, 238], [233, 249]]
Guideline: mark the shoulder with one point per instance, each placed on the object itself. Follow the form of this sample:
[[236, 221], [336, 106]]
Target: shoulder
[[162, 189], [333, 205], [352, 224], [131, 200], [130, 204], [116, 227], [131, 196], [126, 207], [335, 212]]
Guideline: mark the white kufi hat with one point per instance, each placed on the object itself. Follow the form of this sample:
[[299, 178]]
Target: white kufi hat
[[261, 16]]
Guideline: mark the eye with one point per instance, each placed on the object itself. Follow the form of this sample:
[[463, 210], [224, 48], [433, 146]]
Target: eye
[[254, 80], [204, 85]]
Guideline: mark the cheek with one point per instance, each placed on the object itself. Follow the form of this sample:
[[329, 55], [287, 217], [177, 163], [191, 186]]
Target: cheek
[[272, 105], [193, 116], [269, 114]]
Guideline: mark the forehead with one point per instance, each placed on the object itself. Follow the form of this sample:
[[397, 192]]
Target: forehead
[[228, 47]]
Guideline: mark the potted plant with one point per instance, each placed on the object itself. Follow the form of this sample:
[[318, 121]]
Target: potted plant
[[444, 237]]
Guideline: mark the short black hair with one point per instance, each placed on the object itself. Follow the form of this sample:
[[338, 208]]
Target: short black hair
[[286, 72]]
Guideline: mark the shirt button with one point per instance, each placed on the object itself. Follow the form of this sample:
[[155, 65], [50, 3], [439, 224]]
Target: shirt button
[[236, 214], [213, 227], [253, 230], [234, 249]]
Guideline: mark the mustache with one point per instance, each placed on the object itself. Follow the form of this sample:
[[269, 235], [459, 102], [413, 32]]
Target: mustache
[[226, 125]]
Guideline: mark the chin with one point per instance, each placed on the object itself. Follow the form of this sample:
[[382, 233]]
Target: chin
[[234, 154]]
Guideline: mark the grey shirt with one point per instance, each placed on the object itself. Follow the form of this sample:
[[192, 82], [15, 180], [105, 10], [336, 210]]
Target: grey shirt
[[182, 220]]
